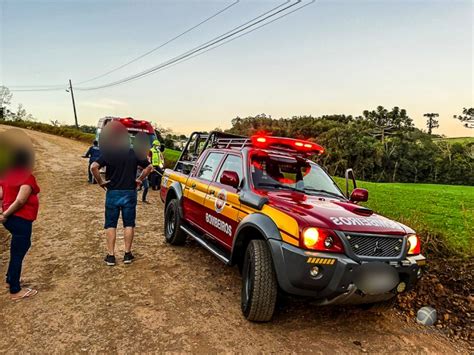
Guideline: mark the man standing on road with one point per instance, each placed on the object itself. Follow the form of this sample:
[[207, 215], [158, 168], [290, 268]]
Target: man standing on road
[[93, 154], [157, 161], [121, 163]]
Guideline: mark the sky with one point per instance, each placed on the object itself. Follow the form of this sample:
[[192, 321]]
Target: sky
[[330, 57]]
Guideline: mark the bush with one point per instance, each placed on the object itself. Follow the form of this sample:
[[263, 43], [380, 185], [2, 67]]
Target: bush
[[62, 131]]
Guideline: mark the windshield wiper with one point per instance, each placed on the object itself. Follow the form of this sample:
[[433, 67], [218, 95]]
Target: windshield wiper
[[312, 189]]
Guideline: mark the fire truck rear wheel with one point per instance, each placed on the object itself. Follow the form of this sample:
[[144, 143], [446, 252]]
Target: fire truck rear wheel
[[259, 283], [173, 233]]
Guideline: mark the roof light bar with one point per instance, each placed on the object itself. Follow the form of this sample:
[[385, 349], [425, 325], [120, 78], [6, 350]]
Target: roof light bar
[[300, 146]]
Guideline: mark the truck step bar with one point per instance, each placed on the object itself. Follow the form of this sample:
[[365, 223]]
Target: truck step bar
[[213, 249]]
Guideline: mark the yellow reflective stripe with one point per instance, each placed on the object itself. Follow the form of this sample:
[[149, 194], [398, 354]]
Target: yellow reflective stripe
[[288, 239], [282, 220]]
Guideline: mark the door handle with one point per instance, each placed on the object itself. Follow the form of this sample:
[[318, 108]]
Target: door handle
[[212, 192], [193, 185]]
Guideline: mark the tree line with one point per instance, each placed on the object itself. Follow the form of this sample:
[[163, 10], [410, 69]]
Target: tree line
[[380, 145]]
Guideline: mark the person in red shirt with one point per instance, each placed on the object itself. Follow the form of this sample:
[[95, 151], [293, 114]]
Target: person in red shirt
[[18, 209]]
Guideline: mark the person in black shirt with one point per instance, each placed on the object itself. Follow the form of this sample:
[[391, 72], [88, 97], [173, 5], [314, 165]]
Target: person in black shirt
[[121, 182]]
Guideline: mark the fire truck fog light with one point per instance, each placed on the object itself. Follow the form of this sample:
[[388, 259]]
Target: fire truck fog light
[[314, 271], [328, 242], [401, 287]]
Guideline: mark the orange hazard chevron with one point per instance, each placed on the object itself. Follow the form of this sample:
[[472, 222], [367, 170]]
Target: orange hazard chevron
[[321, 261]]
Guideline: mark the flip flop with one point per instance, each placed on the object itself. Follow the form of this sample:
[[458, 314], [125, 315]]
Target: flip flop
[[29, 293]]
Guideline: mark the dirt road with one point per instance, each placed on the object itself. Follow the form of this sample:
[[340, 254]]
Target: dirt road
[[170, 299]]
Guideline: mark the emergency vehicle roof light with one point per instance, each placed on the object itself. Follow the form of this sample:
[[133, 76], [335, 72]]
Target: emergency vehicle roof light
[[301, 146]]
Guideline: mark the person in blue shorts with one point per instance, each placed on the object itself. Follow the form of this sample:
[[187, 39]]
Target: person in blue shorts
[[121, 183]]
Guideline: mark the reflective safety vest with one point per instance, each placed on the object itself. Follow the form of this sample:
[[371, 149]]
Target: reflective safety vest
[[156, 157]]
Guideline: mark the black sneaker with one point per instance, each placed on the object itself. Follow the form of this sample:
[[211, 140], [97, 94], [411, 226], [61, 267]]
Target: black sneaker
[[110, 260], [128, 258]]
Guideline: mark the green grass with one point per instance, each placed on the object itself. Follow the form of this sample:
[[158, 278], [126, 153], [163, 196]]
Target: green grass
[[462, 140], [434, 211], [171, 156]]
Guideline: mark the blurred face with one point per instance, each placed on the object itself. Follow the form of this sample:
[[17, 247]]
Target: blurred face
[[114, 138], [16, 151], [141, 145]]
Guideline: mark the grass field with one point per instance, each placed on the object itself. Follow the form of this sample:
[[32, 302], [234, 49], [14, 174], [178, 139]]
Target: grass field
[[434, 211], [462, 140], [171, 156]]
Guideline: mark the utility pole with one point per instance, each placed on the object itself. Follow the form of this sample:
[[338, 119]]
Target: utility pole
[[73, 103]]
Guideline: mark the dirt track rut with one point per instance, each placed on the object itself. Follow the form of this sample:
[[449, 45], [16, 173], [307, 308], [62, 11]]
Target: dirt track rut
[[170, 299]]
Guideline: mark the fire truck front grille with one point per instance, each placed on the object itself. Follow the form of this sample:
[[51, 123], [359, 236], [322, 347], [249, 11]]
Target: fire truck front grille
[[375, 246]]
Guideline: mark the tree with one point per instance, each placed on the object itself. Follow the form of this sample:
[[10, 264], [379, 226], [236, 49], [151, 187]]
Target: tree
[[5, 100], [388, 122], [22, 115], [467, 117], [431, 122]]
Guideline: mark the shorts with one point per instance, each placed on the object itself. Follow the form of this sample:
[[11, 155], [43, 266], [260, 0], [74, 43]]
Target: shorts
[[117, 201]]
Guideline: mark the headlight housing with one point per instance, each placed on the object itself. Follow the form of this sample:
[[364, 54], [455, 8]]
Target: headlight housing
[[414, 245], [322, 240]]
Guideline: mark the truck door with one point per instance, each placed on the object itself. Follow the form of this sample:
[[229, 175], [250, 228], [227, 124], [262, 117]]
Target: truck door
[[196, 190], [222, 203]]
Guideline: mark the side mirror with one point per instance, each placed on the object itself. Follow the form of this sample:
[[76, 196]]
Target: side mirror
[[359, 195], [350, 175], [230, 178]]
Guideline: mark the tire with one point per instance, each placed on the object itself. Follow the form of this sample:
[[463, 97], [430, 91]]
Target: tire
[[259, 283], [173, 233]]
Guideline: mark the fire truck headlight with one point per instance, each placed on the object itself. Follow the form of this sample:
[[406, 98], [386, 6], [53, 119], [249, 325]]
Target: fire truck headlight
[[413, 245], [310, 237]]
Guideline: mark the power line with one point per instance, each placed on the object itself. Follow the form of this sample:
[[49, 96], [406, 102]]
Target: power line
[[246, 33], [218, 41], [61, 87], [162, 45], [230, 40], [200, 48], [42, 89]]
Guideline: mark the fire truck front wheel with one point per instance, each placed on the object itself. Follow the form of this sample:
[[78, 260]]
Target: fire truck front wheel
[[259, 283], [173, 233]]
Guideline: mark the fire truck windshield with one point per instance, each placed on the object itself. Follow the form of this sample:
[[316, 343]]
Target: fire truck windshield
[[271, 172]]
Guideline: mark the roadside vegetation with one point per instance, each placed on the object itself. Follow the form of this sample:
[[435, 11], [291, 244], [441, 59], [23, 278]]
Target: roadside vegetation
[[62, 131]]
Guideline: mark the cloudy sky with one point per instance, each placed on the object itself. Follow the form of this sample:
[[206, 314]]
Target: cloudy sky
[[329, 57]]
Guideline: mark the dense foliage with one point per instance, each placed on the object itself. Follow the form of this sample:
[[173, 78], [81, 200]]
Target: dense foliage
[[380, 145]]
